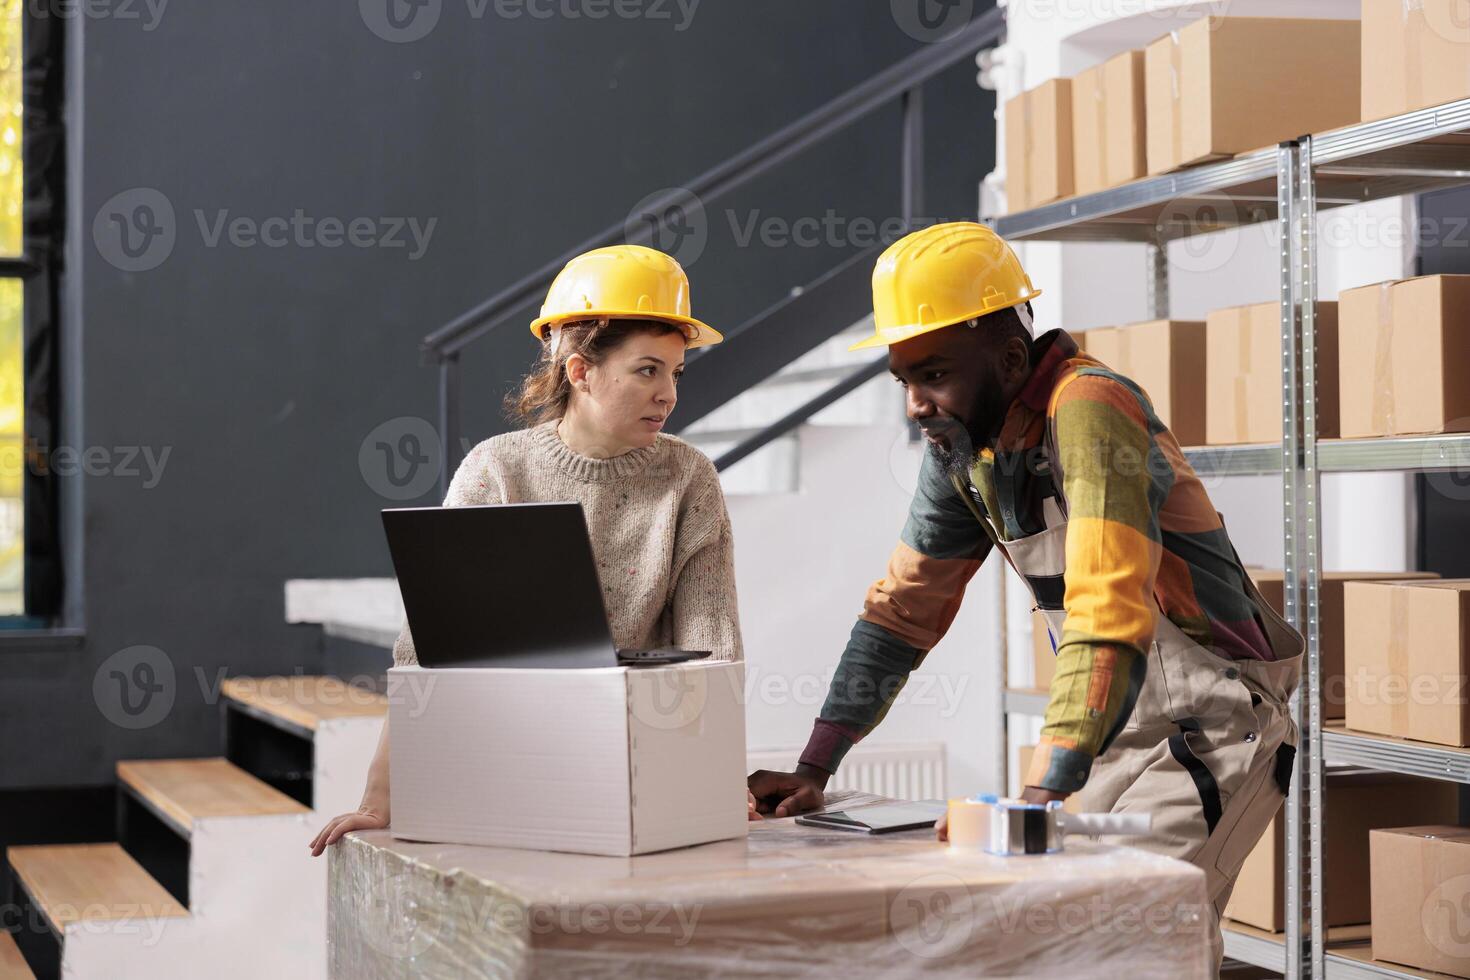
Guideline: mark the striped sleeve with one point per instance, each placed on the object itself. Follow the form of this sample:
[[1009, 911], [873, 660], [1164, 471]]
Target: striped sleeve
[[1115, 480], [905, 614]]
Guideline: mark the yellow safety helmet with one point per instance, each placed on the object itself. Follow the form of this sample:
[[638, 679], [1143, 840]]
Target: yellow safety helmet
[[940, 276], [623, 282]]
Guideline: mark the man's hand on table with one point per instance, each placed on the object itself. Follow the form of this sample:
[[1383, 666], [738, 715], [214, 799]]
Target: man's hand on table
[[1031, 794], [784, 794], [1035, 794]]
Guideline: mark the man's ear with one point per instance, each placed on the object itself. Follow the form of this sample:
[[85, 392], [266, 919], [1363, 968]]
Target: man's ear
[[1015, 359]]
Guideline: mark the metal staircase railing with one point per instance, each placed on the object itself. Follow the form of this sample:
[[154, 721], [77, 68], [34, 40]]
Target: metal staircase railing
[[903, 81], [802, 412]]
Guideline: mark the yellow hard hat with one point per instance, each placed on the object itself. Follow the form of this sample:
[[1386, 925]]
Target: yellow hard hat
[[940, 276], [623, 282]]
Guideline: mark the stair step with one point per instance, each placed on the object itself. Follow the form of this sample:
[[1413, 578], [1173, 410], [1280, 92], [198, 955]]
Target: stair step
[[730, 437], [12, 964], [831, 373], [181, 791], [300, 704], [89, 883]]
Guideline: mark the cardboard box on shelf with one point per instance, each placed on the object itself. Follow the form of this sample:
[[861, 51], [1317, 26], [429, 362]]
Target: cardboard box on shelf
[[1405, 659], [1167, 360], [1420, 55], [1107, 124], [1226, 85], [1356, 804], [1421, 875], [1243, 374], [642, 759], [1043, 655], [1039, 145], [1405, 354], [1330, 616]]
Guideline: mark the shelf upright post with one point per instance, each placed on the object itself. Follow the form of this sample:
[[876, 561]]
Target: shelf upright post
[[1158, 277], [1285, 213], [1300, 498], [1309, 570]]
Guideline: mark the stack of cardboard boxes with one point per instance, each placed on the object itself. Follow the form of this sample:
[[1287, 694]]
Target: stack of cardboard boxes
[[1167, 360], [1420, 55], [1355, 804], [1218, 87], [1391, 361], [1405, 663], [1403, 353], [1243, 380], [1221, 86], [1405, 659]]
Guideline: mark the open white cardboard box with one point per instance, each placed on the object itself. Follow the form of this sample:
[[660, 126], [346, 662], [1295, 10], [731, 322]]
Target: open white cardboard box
[[613, 760]]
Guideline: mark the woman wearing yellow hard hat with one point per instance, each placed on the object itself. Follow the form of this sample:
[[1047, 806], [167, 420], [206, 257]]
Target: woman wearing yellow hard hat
[[613, 332]]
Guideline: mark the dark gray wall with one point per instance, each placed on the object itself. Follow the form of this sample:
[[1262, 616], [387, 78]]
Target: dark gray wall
[[260, 370], [1443, 248]]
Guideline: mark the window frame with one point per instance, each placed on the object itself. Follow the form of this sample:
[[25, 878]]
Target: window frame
[[51, 506]]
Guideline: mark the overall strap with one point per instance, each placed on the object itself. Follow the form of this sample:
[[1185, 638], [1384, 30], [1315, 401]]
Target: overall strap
[[1053, 458], [961, 487]]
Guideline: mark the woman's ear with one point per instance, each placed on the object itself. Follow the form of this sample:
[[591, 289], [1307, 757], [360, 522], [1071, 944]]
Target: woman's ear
[[577, 371]]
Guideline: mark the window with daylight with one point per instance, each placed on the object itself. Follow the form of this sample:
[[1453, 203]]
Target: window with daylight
[[32, 173], [12, 304]]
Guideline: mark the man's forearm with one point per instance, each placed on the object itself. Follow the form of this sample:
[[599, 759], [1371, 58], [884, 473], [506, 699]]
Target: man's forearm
[[874, 667], [1092, 696]]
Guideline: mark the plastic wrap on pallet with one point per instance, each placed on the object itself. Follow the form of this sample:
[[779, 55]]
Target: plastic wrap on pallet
[[787, 901]]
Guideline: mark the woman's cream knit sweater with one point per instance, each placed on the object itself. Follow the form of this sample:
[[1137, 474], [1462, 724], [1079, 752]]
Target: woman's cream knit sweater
[[660, 533]]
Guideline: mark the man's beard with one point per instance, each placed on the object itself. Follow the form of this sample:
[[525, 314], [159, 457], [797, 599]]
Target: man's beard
[[988, 411], [959, 458]]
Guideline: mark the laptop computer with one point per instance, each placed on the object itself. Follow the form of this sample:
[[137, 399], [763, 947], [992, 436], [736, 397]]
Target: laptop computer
[[506, 585]]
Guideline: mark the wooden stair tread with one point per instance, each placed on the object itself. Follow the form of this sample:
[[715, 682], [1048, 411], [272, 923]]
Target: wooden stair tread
[[12, 964], [89, 883], [305, 701], [187, 789]]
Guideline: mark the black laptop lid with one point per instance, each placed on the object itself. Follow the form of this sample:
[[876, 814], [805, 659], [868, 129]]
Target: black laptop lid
[[505, 585]]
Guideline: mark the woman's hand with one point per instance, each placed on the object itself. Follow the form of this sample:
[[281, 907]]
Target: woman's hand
[[366, 818], [751, 812]]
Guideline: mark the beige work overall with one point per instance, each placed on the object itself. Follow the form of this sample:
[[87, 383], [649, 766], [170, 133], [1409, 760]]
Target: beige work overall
[[1202, 750]]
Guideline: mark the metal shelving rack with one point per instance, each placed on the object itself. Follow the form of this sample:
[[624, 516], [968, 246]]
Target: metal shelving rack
[[1420, 151]]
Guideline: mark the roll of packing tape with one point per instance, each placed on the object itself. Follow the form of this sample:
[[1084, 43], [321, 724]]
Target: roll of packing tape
[[969, 823], [1000, 825]]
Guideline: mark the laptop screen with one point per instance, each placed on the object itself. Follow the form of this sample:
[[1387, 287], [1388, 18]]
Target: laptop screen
[[502, 585]]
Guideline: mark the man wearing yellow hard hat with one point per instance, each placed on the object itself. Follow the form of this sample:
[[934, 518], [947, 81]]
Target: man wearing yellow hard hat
[[1172, 674]]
